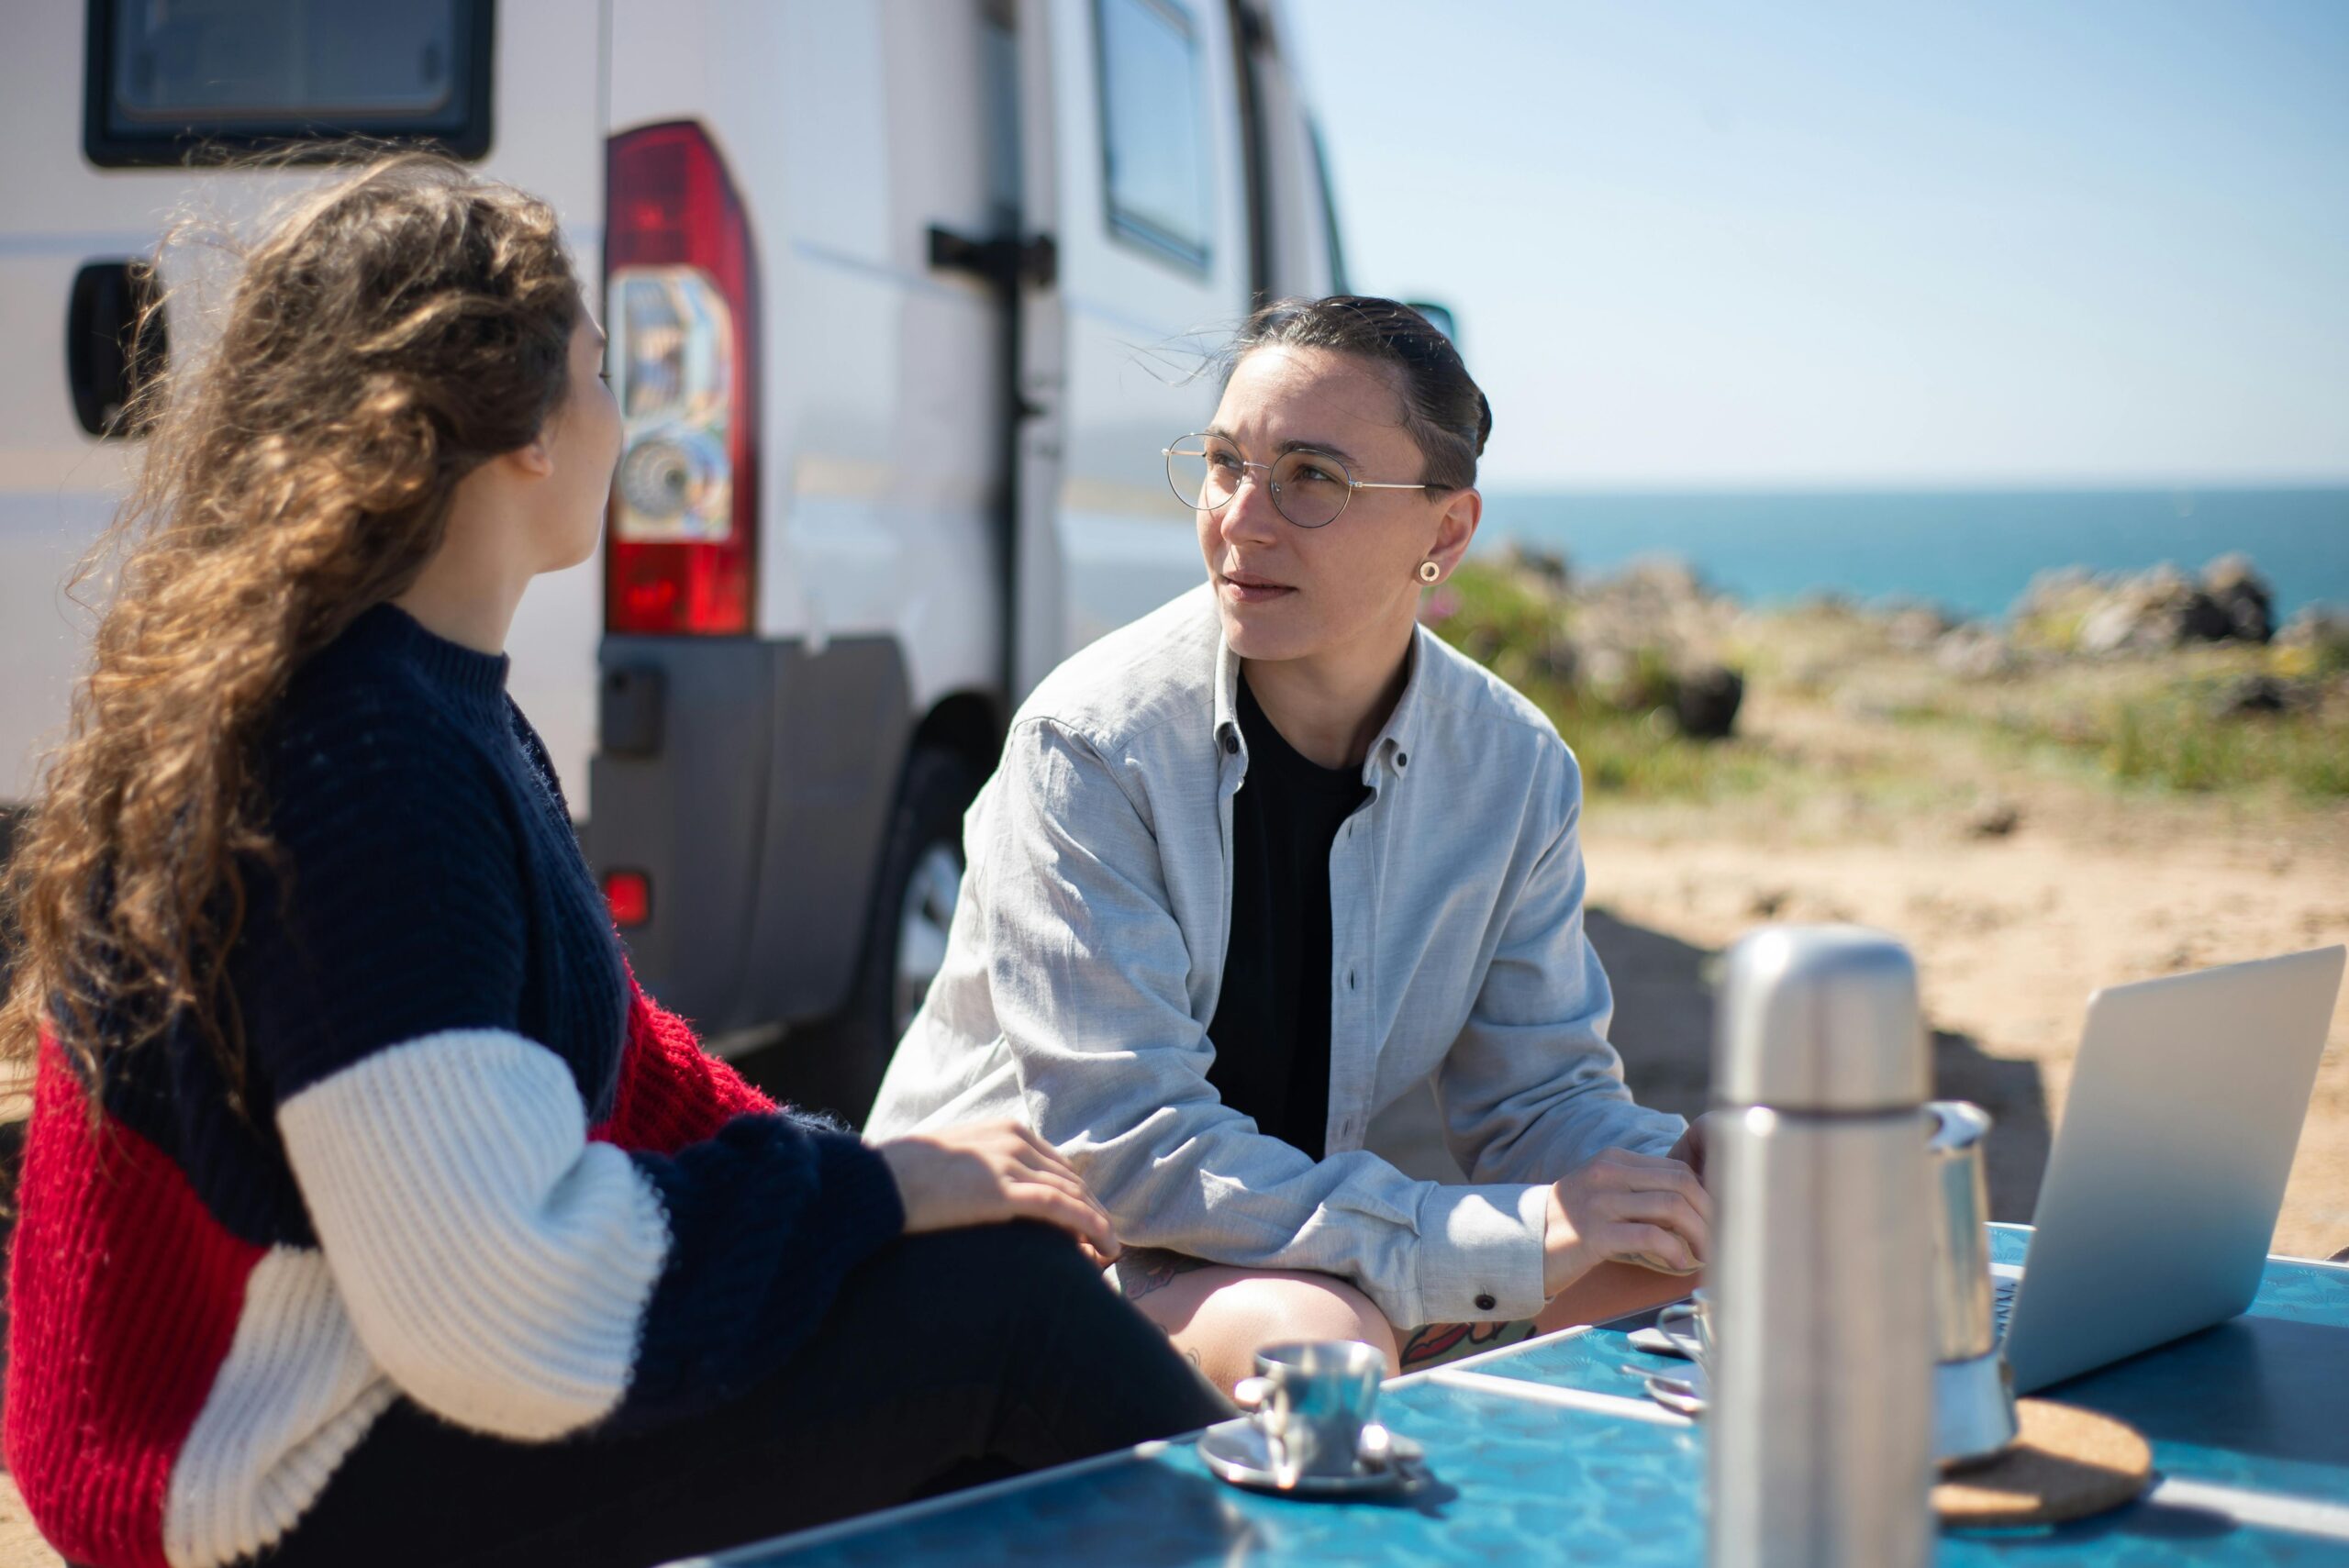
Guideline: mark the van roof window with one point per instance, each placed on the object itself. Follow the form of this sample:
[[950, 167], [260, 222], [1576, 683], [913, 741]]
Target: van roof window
[[166, 82]]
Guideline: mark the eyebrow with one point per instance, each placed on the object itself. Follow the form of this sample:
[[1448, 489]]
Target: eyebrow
[[1327, 449]]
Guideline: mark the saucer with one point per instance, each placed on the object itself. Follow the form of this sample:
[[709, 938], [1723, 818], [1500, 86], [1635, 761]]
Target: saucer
[[1236, 1452]]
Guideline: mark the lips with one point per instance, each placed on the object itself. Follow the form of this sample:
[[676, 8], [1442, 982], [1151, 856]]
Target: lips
[[1247, 588]]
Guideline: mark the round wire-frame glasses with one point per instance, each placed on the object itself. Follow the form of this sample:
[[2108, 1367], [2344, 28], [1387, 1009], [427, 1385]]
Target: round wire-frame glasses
[[1309, 488]]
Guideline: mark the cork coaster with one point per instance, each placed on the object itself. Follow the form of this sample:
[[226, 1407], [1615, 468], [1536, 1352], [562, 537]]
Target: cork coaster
[[2065, 1463]]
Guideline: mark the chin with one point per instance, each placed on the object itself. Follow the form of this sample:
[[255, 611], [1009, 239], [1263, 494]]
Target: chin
[[576, 554], [1260, 632]]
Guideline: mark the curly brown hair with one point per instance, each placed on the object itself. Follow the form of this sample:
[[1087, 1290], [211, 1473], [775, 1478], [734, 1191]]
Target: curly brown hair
[[392, 332]]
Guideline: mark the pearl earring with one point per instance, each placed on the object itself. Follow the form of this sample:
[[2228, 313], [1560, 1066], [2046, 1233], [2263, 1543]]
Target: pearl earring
[[1429, 571]]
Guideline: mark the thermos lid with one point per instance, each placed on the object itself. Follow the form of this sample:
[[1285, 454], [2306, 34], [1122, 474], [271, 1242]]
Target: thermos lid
[[1820, 1018]]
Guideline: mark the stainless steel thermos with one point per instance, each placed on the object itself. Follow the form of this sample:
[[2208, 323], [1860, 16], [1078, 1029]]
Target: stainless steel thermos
[[1820, 1433]]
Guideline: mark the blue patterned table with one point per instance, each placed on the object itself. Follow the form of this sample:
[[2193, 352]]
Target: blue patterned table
[[1545, 1452]]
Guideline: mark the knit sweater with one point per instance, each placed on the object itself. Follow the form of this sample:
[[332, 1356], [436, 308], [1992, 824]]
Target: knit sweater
[[471, 1164]]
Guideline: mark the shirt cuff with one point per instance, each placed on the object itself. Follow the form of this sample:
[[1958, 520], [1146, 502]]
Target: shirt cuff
[[1480, 1254]]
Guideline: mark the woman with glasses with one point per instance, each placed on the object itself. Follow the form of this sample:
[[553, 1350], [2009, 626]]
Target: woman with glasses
[[1259, 864]]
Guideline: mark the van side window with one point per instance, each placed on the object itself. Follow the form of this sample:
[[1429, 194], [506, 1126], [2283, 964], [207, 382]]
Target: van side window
[[1154, 131], [235, 74]]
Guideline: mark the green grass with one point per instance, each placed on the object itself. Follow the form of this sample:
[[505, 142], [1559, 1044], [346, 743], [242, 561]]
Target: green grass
[[2172, 742], [2146, 725], [2160, 732]]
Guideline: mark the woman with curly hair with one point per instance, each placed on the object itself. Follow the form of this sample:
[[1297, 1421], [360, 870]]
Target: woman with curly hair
[[371, 1213]]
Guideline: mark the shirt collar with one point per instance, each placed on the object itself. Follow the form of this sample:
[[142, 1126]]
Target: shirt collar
[[1390, 752]]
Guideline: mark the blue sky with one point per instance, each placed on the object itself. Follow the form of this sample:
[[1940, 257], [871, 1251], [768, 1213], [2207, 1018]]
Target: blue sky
[[1811, 243]]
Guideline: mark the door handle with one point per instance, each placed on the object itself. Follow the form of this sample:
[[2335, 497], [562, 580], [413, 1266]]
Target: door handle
[[1004, 261], [114, 343]]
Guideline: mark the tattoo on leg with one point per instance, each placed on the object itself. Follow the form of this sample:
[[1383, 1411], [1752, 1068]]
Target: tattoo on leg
[[1148, 1269], [1439, 1341]]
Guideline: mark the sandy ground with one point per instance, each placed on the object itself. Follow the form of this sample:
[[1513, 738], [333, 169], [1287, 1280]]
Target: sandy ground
[[21, 1545], [2011, 931]]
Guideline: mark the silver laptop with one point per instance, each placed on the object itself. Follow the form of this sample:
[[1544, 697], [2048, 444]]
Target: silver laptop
[[2162, 1188]]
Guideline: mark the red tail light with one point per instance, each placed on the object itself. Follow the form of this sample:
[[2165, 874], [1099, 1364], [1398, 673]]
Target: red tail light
[[681, 298], [629, 896]]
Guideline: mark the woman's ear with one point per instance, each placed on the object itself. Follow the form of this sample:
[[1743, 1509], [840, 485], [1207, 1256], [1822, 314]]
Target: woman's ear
[[1455, 526], [535, 461]]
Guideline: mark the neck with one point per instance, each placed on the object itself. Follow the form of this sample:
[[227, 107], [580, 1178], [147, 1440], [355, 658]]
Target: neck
[[1331, 706], [469, 590]]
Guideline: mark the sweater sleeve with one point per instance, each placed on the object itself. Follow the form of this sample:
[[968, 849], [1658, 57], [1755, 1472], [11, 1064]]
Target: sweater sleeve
[[504, 1270], [672, 1092]]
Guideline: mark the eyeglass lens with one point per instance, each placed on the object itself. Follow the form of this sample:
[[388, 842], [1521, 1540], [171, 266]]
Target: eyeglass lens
[[1309, 488]]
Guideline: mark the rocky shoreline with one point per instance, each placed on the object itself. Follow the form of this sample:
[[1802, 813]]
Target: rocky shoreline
[[1655, 640]]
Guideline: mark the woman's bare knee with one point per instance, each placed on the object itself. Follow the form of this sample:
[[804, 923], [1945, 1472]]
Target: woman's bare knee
[[1315, 1307], [1222, 1317]]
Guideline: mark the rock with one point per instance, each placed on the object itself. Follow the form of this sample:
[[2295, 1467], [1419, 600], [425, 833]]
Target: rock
[[1914, 629], [2053, 592], [2317, 628], [1994, 819], [1707, 701], [1609, 671], [1545, 565], [2242, 597], [2250, 697], [2152, 613], [1975, 653]]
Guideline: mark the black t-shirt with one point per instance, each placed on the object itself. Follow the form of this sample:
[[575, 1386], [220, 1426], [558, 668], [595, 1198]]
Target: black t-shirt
[[1271, 1028]]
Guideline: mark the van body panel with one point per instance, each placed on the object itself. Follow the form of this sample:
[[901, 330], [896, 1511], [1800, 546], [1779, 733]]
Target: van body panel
[[958, 471], [762, 780], [1117, 349], [59, 486]]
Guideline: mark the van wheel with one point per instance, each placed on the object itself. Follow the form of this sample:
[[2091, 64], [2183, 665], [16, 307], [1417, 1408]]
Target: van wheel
[[841, 1061]]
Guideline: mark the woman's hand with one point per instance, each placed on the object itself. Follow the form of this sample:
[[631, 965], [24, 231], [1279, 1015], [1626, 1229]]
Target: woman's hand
[[1644, 1209], [991, 1172]]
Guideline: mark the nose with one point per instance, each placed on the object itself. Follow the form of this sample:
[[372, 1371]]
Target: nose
[[1250, 516]]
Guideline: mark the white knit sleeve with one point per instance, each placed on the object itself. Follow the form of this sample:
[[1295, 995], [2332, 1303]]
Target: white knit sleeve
[[494, 1262]]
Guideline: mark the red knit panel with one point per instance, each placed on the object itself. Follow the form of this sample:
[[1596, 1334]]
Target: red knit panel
[[672, 1092], [124, 1295]]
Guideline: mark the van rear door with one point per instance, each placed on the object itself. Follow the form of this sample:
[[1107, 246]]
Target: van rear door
[[1132, 166]]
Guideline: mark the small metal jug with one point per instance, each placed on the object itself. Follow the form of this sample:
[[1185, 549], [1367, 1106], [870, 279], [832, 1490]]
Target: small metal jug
[[1973, 1397]]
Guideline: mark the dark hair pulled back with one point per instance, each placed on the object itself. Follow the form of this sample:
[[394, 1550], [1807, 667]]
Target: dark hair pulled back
[[1443, 411]]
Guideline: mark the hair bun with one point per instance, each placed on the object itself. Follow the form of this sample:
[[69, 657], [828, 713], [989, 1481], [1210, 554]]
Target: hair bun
[[1484, 421]]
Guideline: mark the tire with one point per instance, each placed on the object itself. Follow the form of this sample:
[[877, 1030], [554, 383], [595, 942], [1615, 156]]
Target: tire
[[837, 1065]]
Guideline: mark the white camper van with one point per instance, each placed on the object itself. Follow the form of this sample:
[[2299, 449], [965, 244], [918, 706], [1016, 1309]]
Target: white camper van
[[905, 298]]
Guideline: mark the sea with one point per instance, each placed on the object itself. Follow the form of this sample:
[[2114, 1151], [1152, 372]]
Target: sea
[[1970, 552]]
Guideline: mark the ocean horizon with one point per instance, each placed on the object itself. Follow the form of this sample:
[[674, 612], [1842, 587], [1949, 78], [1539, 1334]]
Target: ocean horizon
[[1970, 552]]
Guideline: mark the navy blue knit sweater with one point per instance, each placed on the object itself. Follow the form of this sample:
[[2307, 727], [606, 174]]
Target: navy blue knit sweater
[[475, 1166]]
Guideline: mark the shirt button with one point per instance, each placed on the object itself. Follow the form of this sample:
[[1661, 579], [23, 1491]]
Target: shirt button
[[1231, 744], [1402, 759], [1484, 1304], [1350, 979]]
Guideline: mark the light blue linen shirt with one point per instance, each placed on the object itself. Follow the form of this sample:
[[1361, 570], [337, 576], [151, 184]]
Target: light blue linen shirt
[[1087, 955]]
